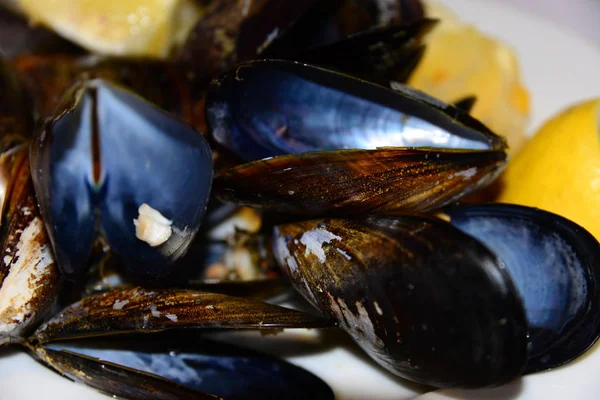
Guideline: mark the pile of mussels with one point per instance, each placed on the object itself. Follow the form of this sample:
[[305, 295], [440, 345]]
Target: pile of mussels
[[319, 168]]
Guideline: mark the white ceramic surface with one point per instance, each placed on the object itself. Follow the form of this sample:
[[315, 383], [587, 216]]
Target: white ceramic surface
[[559, 69]]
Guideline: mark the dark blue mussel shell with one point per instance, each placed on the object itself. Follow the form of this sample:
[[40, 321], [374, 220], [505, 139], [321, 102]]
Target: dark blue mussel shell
[[474, 299], [105, 153], [209, 366], [266, 108], [378, 55], [554, 265]]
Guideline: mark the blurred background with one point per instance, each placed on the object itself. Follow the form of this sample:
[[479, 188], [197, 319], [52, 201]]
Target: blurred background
[[580, 16]]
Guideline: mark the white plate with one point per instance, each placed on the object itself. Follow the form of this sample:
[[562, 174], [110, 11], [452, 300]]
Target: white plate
[[560, 69]]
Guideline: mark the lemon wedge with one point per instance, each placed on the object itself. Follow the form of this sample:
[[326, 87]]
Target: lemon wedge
[[461, 61], [558, 170], [135, 28]]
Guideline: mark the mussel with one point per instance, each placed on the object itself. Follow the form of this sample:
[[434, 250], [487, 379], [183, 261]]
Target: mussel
[[327, 22], [206, 365], [473, 299], [29, 275], [176, 365], [100, 162], [30, 294], [111, 162], [330, 143], [308, 108]]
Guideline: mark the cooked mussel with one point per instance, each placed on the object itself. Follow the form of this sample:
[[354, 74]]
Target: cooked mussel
[[110, 162], [29, 277], [187, 359], [351, 182], [307, 114], [177, 365], [498, 291], [267, 108]]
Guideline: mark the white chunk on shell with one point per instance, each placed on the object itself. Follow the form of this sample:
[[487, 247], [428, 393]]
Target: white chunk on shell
[[151, 226]]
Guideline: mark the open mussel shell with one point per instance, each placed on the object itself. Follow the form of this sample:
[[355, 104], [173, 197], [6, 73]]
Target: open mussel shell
[[185, 358], [307, 108], [555, 266], [70, 343], [507, 290], [109, 162], [349, 182]]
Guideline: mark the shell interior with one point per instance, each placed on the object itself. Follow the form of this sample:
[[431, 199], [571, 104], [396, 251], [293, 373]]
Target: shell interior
[[554, 265]]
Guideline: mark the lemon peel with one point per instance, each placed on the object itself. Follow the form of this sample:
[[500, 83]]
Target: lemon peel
[[558, 170], [133, 28]]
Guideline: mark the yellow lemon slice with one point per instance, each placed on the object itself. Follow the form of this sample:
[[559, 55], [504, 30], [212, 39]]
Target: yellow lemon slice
[[460, 61], [136, 28], [558, 170]]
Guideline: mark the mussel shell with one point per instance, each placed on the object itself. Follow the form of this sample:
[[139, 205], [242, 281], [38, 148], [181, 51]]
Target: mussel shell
[[266, 108], [327, 22], [426, 301], [555, 266], [230, 32], [29, 277], [224, 370], [378, 55], [350, 182], [141, 310], [106, 153], [115, 380], [466, 103]]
